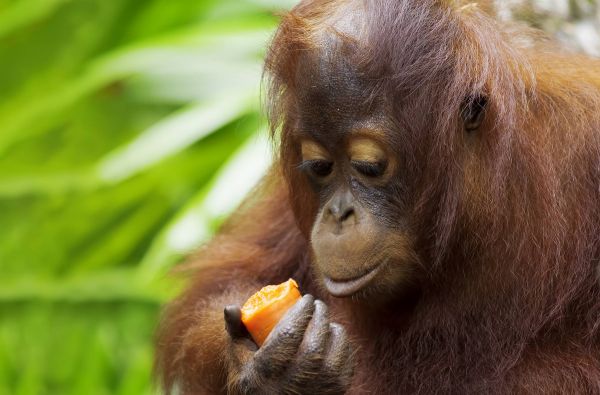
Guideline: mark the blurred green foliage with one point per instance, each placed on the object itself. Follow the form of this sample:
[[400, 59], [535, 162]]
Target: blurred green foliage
[[128, 130]]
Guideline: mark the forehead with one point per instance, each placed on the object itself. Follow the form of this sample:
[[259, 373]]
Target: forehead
[[334, 97]]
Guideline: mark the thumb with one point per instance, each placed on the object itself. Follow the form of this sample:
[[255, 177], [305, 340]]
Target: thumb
[[233, 322]]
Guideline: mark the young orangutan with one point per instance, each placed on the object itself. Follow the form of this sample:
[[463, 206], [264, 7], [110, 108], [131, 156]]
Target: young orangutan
[[437, 199]]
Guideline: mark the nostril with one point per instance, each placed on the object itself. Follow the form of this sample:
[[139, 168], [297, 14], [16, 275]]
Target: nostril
[[341, 216], [341, 208], [347, 214]]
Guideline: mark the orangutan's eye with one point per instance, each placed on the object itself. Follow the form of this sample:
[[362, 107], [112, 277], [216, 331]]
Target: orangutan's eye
[[315, 160], [369, 169], [317, 168]]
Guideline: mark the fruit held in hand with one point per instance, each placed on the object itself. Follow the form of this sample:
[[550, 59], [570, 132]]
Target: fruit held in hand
[[263, 310]]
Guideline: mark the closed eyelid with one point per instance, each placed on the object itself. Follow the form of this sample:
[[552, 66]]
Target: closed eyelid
[[370, 169], [366, 150], [313, 151]]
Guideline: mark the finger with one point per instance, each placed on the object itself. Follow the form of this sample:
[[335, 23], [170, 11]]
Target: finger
[[282, 343], [233, 322], [339, 356], [312, 350], [241, 348]]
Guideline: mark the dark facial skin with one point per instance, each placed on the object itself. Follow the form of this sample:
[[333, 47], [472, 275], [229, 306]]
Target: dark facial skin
[[353, 155], [353, 242]]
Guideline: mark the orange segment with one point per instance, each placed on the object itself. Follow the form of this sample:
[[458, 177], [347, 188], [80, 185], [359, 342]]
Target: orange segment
[[263, 310]]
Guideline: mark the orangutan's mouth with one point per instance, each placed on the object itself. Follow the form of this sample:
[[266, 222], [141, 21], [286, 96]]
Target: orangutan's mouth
[[347, 287]]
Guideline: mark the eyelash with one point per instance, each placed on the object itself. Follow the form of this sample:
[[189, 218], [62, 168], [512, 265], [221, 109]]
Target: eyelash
[[369, 169], [322, 168], [317, 168]]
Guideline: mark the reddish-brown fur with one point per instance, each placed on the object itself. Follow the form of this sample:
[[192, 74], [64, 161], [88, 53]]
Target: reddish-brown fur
[[507, 224]]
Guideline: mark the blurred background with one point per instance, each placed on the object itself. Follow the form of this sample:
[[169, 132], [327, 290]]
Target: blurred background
[[128, 131]]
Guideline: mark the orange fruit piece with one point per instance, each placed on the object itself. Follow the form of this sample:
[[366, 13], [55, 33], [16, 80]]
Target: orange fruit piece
[[263, 310]]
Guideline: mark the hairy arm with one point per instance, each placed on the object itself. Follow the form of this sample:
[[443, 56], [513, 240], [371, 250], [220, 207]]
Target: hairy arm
[[193, 341], [260, 245]]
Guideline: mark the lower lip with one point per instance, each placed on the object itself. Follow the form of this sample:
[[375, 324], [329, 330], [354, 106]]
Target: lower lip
[[342, 288]]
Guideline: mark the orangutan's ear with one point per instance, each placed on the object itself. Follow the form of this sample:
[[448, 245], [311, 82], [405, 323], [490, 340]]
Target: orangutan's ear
[[473, 112]]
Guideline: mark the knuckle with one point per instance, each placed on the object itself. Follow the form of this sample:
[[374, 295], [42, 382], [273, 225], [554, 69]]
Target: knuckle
[[281, 335], [312, 348], [316, 342], [338, 363], [295, 320], [331, 367], [288, 333], [310, 359]]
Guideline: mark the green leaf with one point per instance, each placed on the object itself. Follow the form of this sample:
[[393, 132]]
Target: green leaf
[[23, 13], [194, 224], [172, 135]]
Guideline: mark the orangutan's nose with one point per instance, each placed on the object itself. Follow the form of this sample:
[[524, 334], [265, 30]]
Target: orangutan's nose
[[340, 209]]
